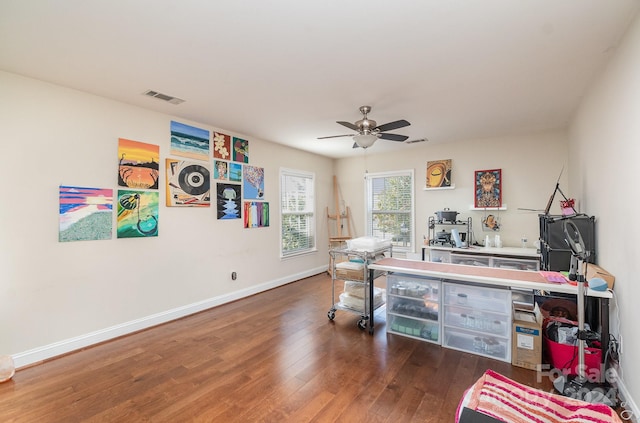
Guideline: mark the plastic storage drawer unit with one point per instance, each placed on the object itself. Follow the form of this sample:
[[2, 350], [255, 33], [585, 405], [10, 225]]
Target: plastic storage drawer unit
[[477, 319], [413, 307]]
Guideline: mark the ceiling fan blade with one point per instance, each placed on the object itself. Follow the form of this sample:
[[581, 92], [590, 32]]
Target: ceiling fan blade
[[393, 137], [336, 136], [392, 125], [348, 125]]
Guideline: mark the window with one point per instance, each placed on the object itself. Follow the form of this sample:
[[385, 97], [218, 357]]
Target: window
[[390, 208], [297, 212]]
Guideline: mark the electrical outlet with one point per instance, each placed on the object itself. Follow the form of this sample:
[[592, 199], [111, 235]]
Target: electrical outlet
[[234, 276]]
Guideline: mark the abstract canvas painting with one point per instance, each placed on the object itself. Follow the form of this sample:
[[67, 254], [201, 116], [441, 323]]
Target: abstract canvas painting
[[221, 170], [253, 186], [138, 165], [188, 183], [221, 146], [488, 188], [228, 201], [240, 150], [235, 172], [256, 214], [137, 214], [85, 213], [189, 141], [439, 174]]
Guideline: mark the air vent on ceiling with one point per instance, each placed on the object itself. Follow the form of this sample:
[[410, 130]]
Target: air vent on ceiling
[[415, 141], [163, 97]]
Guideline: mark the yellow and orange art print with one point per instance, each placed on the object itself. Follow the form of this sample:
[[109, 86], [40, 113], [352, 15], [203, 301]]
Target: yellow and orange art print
[[439, 174], [138, 164]]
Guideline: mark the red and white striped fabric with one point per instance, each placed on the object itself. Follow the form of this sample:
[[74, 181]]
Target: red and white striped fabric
[[504, 399]]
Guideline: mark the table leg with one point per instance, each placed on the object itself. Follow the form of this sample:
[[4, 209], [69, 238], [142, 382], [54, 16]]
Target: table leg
[[371, 293]]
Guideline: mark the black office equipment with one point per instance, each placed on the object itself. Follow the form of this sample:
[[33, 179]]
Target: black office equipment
[[555, 254]]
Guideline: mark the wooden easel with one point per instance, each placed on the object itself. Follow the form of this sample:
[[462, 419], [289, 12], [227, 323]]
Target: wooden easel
[[336, 222]]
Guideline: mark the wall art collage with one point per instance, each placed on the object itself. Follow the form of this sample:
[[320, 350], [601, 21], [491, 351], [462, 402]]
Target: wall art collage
[[87, 213], [487, 190]]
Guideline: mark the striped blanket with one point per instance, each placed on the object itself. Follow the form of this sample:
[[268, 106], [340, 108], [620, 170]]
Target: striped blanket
[[506, 400]]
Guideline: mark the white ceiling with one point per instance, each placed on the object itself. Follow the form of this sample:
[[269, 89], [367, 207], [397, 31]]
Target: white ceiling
[[287, 70]]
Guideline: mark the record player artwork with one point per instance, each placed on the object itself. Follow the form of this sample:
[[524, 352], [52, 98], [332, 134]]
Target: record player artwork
[[188, 184]]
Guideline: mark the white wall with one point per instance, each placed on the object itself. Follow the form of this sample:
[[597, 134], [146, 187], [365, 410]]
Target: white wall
[[530, 167], [58, 296], [604, 154]]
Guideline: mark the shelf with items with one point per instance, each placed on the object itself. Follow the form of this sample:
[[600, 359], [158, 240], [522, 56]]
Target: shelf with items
[[505, 258], [477, 319], [470, 259], [413, 307], [438, 234], [359, 296]]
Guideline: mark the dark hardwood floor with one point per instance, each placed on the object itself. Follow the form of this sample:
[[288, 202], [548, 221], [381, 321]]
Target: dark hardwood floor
[[273, 357]]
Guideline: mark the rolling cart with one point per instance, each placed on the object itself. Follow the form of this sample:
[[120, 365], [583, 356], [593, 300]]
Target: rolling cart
[[352, 267]]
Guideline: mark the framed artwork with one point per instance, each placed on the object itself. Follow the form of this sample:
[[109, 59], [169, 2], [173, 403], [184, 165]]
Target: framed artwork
[[439, 174], [137, 214], [188, 184], [235, 172], [189, 141], [256, 214], [491, 223], [488, 188], [240, 150], [221, 146], [221, 170], [85, 213], [228, 200], [253, 178], [139, 164]]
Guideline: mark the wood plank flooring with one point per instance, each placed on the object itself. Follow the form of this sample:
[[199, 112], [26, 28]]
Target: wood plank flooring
[[273, 357]]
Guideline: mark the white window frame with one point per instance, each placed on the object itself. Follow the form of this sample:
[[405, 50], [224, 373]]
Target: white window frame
[[310, 212], [397, 246]]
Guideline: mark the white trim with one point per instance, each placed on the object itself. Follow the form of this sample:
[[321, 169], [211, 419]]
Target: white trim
[[45, 352], [453, 186], [624, 395], [503, 207]]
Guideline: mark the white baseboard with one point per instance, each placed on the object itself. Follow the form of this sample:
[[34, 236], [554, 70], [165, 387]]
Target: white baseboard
[[46, 352], [625, 398]]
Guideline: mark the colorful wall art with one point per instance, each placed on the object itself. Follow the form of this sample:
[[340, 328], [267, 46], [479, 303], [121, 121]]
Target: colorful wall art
[[188, 183], [240, 150], [253, 182], [221, 146], [189, 141], [439, 174], [256, 214], [85, 213], [138, 165], [228, 200], [488, 188], [235, 172], [137, 214], [221, 170]]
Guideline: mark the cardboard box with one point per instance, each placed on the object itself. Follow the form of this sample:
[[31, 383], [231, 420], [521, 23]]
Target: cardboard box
[[594, 271], [349, 270], [526, 347]]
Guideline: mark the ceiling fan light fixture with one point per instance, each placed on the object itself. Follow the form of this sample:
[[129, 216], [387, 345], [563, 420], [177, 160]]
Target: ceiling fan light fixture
[[365, 140]]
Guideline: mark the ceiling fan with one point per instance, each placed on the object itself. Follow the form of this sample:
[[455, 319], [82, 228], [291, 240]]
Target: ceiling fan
[[369, 131]]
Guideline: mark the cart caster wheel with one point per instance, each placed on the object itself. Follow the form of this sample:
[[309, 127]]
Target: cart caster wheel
[[362, 324], [331, 314]]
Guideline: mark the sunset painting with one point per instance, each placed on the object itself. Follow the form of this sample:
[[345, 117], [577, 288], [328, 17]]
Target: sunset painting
[[138, 164], [85, 213]]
